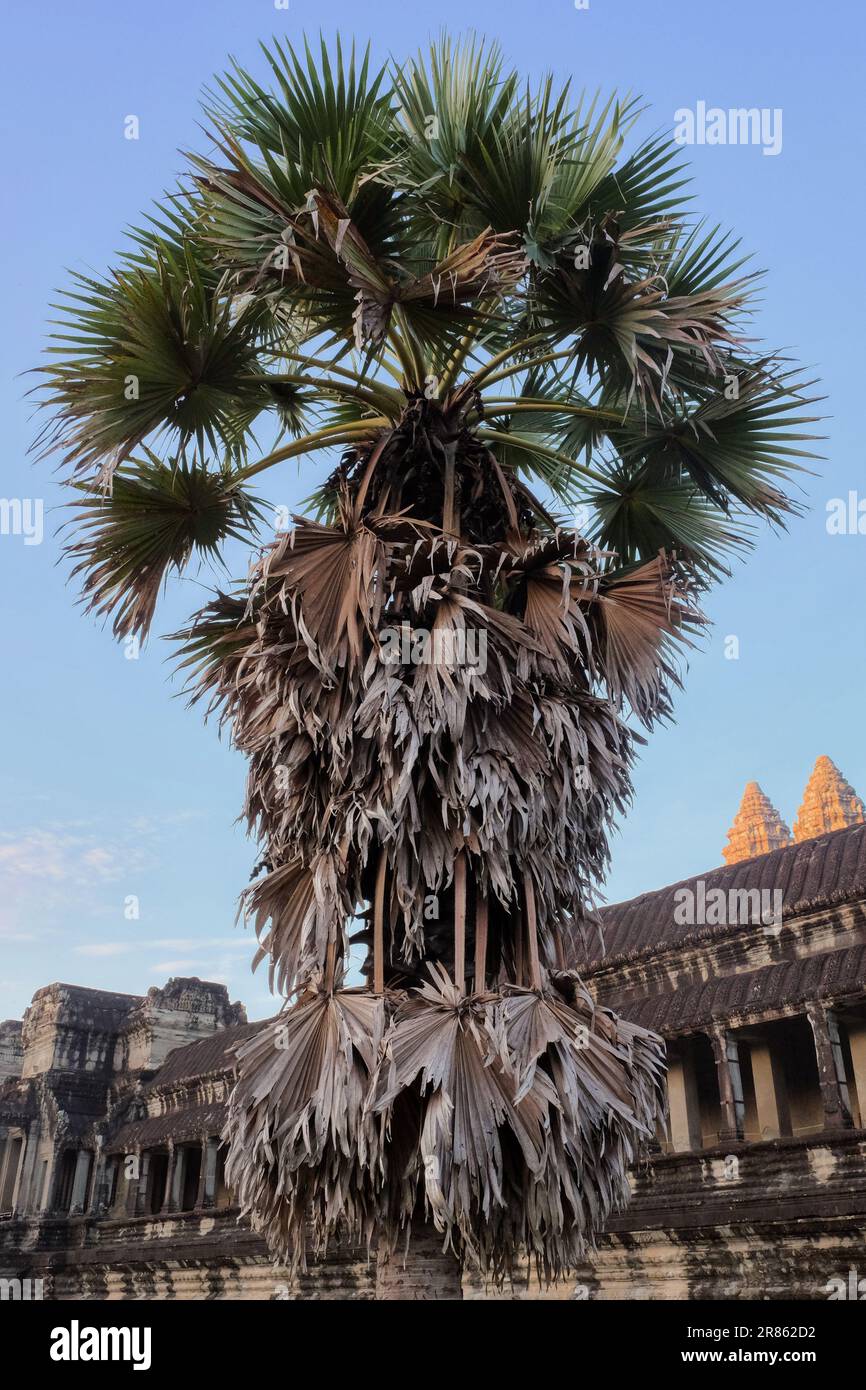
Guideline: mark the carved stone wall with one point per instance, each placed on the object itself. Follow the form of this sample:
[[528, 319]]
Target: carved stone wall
[[11, 1050], [757, 828]]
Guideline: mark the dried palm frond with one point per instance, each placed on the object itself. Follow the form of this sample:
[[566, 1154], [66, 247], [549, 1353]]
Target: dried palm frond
[[329, 574], [531, 1110], [638, 618], [304, 1152], [442, 1040]]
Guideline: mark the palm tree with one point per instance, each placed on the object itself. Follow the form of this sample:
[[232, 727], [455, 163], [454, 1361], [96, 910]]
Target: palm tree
[[548, 436]]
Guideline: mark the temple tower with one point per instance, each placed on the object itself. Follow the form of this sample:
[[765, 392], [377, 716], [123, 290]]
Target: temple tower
[[757, 827], [829, 803]]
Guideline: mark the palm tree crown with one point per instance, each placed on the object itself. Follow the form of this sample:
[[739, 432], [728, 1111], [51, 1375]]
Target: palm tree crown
[[468, 292]]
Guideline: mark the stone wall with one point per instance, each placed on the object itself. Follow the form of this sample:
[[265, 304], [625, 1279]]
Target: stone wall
[[769, 1221], [183, 1012], [68, 1028], [11, 1050]]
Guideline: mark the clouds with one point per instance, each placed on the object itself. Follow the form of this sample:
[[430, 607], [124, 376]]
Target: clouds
[[81, 853], [58, 855], [103, 948], [244, 943], [119, 902], [224, 960], [56, 869]]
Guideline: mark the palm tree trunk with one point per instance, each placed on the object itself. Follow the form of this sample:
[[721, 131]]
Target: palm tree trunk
[[425, 1271]]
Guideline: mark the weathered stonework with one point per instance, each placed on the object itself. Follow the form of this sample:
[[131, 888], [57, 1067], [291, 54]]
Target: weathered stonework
[[755, 1186], [829, 803], [11, 1050], [85, 1060]]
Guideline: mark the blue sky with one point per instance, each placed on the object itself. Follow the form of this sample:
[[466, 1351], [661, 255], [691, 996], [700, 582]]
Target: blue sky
[[110, 789]]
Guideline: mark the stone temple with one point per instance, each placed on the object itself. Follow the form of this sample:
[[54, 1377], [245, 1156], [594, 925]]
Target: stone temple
[[112, 1105]]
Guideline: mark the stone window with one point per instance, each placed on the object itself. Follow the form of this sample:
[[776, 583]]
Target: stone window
[[156, 1180], [65, 1180], [191, 1175]]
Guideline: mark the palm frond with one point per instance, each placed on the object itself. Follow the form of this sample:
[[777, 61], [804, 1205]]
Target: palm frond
[[303, 1149], [736, 445], [152, 350], [156, 517], [637, 515]]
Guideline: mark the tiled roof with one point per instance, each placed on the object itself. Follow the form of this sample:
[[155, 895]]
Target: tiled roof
[[774, 987], [179, 1125], [817, 873], [209, 1055]]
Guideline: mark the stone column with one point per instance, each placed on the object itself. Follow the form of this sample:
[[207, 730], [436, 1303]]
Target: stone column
[[141, 1191], [23, 1199], [856, 1029], [105, 1165], [79, 1182], [55, 1178], [42, 1190], [727, 1057], [6, 1153], [174, 1178], [180, 1162], [11, 1171], [97, 1189], [771, 1094], [199, 1196], [683, 1105], [831, 1067], [209, 1170]]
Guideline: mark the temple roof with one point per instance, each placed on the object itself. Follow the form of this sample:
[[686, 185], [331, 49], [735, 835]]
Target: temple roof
[[833, 975], [813, 874], [188, 1123], [211, 1054]]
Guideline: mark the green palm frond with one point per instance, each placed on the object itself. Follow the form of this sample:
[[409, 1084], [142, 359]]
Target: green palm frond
[[326, 130], [155, 349], [366, 239], [156, 517], [326, 126], [738, 444], [637, 517], [452, 102], [645, 191], [582, 167], [697, 261], [513, 181]]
